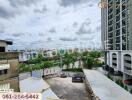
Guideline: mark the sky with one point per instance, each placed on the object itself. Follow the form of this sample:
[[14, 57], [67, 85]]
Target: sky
[[49, 24]]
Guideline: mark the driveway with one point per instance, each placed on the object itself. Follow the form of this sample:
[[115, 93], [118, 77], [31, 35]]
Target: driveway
[[65, 89]]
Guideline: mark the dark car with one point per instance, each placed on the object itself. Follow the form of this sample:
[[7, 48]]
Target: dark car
[[105, 67], [63, 75], [77, 78], [128, 81]]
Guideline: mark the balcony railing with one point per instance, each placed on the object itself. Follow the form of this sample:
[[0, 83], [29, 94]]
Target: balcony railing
[[9, 55], [129, 72]]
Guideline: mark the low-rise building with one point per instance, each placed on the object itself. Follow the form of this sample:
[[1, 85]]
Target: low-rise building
[[26, 55], [9, 63]]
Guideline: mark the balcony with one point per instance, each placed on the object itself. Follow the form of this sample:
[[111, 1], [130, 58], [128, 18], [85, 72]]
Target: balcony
[[110, 11], [9, 55], [114, 61], [128, 65], [129, 72], [127, 58]]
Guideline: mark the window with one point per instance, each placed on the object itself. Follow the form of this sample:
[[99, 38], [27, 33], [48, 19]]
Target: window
[[110, 28], [124, 14], [2, 72], [117, 32], [2, 49], [124, 39], [124, 30], [117, 18], [128, 68], [124, 22], [117, 11], [118, 40], [117, 46], [124, 46]]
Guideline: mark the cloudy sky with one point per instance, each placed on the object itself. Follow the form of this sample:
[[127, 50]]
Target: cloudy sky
[[50, 23]]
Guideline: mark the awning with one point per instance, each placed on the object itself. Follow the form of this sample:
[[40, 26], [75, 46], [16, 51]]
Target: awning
[[4, 66]]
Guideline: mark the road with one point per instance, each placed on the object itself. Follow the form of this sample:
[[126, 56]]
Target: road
[[65, 89]]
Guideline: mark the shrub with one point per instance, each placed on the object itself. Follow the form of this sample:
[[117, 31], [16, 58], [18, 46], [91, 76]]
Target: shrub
[[121, 84], [126, 88], [109, 77], [131, 91], [117, 82]]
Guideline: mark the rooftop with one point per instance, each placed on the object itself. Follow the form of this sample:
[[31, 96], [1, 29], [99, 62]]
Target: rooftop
[[8, 42], [37, 85], [104, 88]]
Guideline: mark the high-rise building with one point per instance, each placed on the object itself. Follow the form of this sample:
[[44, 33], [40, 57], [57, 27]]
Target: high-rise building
[[116, 25]]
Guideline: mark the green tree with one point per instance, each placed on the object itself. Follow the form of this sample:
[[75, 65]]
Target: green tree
[[89, 62], [67, 59], [36, 60], [46, 64]]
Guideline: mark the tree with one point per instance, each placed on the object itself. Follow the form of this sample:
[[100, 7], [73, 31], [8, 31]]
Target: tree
[[89, 62], [40, 57], [67, 59], [36, 60], [73, 56], [46, 64]]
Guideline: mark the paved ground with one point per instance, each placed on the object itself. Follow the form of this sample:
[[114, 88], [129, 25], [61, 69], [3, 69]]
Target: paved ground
[[64, 88]]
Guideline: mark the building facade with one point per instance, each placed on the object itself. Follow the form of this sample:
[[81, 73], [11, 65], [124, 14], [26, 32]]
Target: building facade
[[27, 55], [116, 32], [9, 63]]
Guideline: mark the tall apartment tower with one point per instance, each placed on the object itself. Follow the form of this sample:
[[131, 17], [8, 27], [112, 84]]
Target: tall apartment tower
[[116, 32]]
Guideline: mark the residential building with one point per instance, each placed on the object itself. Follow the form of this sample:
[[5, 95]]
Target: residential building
[[9, 64], [25, 55], [116, 32]]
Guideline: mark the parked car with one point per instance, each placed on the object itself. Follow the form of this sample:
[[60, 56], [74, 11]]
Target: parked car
[[77, 78], [63, 75], [128, 81], [105, 67]]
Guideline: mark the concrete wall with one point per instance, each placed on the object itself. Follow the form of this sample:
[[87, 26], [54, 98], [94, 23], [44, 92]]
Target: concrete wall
[[14, 68]]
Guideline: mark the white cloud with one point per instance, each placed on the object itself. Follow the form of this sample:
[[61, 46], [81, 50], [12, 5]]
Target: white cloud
[[24, 26]]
